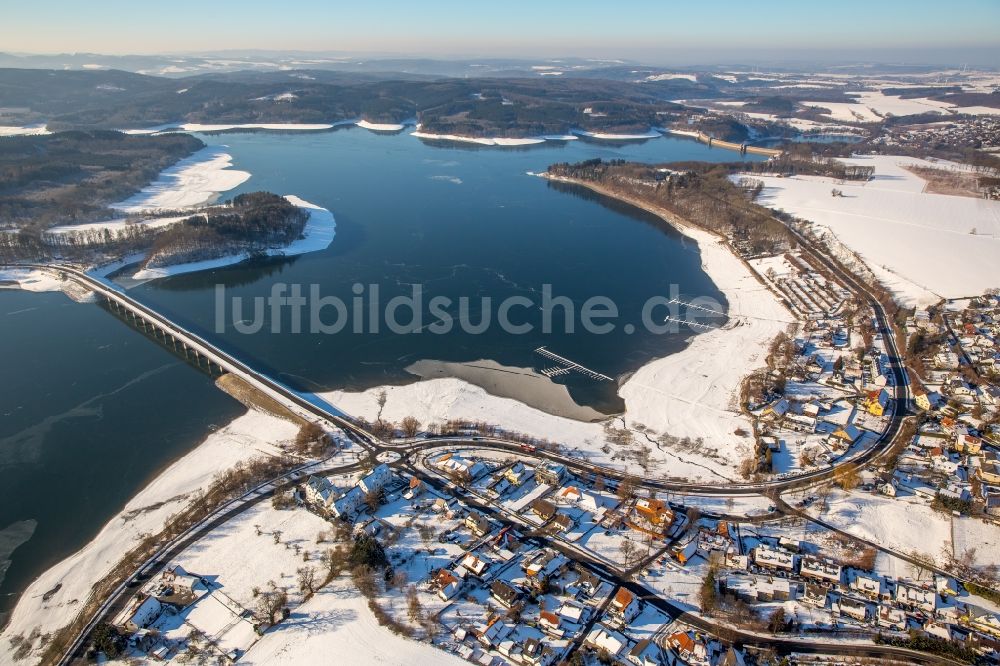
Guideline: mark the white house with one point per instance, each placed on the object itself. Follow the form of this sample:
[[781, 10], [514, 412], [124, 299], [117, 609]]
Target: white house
[[914, 596], [474, 564], [773, 558], [625, 605], [853, 608], [814, 567], [606, 639], [143, 612], [448, 584], [375, 480], [573, 612], [319, 491], [348, 503], [870, 586]]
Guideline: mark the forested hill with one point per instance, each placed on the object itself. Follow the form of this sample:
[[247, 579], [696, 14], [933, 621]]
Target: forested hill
[[72, 177], [508, 106], [252, 223]]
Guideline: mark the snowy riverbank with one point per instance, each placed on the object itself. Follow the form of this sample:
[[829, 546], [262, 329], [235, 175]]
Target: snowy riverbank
[[70, 580], [493, 141], [535, 140], [24, 130], [611, 136], [236, 127], [194, 181]]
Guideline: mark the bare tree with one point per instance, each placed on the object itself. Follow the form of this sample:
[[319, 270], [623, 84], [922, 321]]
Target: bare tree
[[399, 579], [307, 581], [270, 603], [627, 488], [414, 609], [381, 397], [848, 477], [334, 560], [627, 549], [410, 426]]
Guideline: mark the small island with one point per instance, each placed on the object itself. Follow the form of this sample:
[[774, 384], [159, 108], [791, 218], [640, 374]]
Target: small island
[[250, 224]]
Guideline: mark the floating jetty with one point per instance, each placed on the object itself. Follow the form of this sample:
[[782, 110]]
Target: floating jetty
[[566, 365], [693, 324], [695, 307]]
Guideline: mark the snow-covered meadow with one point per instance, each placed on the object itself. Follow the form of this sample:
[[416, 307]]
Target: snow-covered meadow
[[922, 246]]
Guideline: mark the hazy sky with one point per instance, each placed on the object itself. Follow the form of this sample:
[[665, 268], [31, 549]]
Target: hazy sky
[[639, 29]]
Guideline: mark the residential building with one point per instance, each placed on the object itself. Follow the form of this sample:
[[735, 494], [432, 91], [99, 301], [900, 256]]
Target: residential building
[[609, 640], [544, 509], [820, 569], [375, 480], [773, 558], [319, 491], [654, 510], [477, 523], [507, 595], [913, 596], [448, 584], [143, 612], [551, 473], [625, 606], [348, 503], [475, 565], [852, 608]]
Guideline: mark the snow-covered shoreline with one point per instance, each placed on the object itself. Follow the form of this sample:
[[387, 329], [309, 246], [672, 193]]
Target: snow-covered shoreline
[[610, 136], [194, 181], [380, 127], [493, 141], [235, 127], [250, 435], [24, 130], [534, 140]]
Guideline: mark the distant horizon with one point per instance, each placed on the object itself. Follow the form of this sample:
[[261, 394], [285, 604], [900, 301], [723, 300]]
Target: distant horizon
[[641, 31], [983, 58]]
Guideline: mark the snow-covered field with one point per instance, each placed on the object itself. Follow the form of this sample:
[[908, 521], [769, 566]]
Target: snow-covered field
[[672, 76], [24, 130], [30, 280], [114, 226], [251, 435], [194, 181], [873, 105], [694, 393], [907, 524], [228, 127], [337, 622], [923, 246]]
